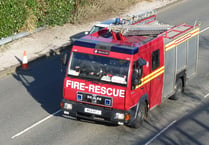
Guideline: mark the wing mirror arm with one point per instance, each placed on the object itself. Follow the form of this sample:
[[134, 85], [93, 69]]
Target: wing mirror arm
[[64, 57], [142, 62]]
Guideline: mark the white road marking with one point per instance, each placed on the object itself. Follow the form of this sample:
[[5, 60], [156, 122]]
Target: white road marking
[[151, 140], [205, 29], [206, 95], [37, 123]]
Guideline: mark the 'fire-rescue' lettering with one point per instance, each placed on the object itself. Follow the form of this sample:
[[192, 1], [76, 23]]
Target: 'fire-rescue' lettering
[[95, 89]]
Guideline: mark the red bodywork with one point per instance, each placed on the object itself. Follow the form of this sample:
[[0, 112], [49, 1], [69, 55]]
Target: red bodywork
[[75, 85], [123, 70], [82, 93], [152, 80], [69, 93]]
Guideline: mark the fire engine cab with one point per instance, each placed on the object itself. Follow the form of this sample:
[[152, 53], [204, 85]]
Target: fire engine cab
[[117, 75]]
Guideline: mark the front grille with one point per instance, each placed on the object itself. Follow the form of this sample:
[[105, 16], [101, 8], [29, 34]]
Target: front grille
[[94, 99]]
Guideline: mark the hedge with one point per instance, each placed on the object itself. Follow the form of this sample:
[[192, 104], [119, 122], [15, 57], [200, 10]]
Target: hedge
[[12, 17], [24, 15]]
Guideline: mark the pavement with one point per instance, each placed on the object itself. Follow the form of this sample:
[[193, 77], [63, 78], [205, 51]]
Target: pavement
[[53, 39]]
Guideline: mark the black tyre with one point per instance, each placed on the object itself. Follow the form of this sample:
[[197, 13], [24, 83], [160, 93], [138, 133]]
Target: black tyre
[[142, 113], [178, 90]]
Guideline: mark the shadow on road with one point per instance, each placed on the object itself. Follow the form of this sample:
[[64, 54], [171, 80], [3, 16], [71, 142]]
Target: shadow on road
[[204, 40], [191, 129], [43, 80]]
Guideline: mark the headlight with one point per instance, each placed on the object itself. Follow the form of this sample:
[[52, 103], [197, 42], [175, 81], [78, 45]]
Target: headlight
[[68, 106], [119, 116]]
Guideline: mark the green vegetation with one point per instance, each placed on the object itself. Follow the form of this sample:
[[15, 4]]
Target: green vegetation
[[26, 15], [12, 17]]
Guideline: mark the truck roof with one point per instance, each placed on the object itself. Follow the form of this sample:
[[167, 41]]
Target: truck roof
[[128, 39], [128, 44]]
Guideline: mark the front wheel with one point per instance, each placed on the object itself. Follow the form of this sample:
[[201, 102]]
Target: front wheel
[[141, 115]]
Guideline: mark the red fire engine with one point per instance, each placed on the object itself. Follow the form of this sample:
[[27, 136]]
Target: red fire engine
[[117, 75]]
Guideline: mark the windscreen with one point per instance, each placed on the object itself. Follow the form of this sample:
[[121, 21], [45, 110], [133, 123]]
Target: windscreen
[[98, 68], [95, 29]]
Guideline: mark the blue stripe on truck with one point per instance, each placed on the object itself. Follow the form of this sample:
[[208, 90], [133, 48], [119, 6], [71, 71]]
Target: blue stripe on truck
[[113, 47]]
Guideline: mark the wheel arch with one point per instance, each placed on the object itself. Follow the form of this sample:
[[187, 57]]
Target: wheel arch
[[134, 110], [182, 75]]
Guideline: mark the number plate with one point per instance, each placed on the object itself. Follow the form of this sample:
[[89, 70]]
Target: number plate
[[93, 111]]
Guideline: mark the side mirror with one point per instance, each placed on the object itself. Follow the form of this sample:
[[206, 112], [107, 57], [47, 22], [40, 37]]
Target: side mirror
[[136, 77], [142, 62], [64, 58]]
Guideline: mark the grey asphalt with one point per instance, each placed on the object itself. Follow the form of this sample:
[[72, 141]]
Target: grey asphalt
[[27, 97]]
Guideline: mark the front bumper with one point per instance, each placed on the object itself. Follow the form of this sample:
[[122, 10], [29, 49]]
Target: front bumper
[[95, 113]]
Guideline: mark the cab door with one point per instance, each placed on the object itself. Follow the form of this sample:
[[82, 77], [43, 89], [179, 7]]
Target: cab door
[[156, 76], [138, 88]]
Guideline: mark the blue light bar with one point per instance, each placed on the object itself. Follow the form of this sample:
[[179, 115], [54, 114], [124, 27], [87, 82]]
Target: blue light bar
[[125, 49], [113, 47], [84, 44]]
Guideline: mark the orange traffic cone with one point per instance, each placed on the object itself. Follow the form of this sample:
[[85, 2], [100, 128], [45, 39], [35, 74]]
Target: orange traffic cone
[[25, 61]]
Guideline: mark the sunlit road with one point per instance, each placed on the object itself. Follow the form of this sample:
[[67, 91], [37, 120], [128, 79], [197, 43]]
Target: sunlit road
[[29, 102]]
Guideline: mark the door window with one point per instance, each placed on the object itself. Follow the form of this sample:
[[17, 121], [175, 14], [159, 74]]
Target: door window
[[155, 59]]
